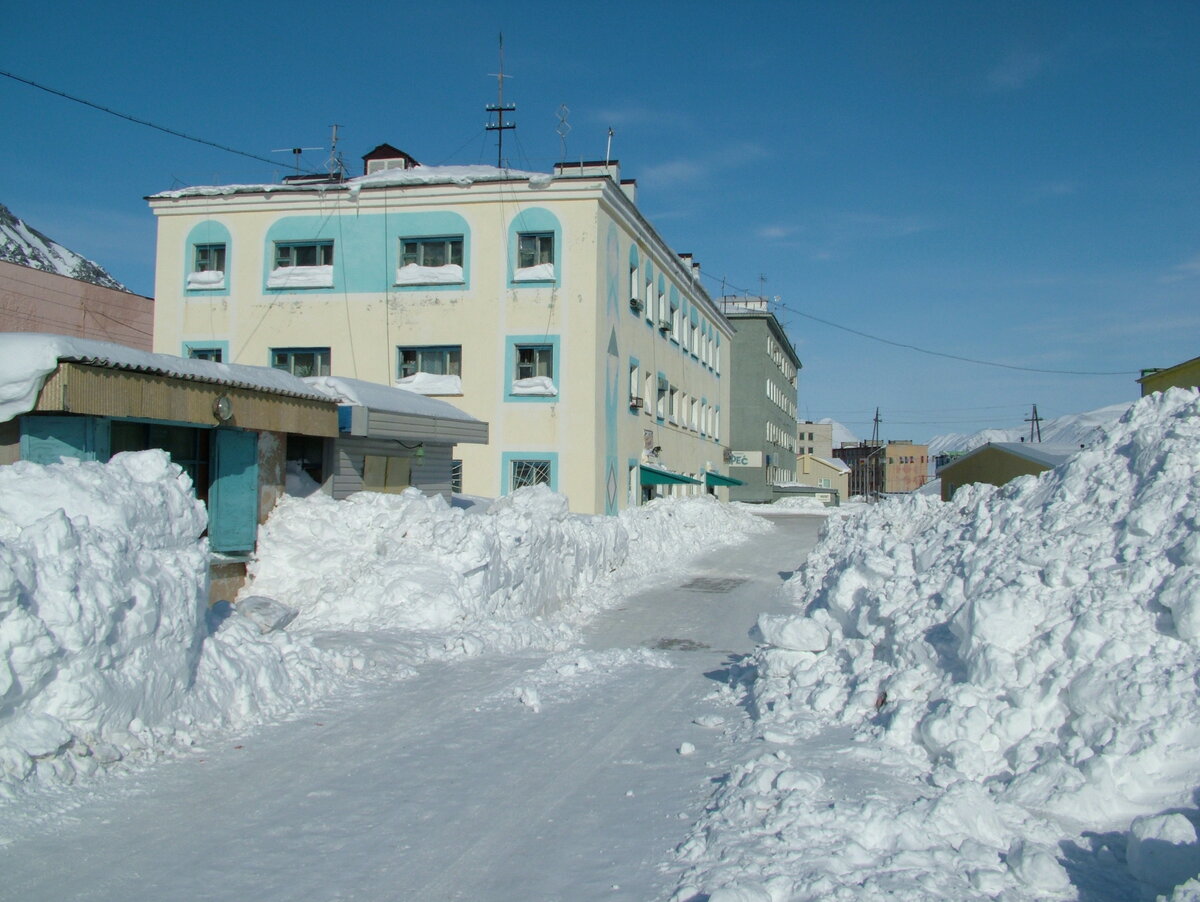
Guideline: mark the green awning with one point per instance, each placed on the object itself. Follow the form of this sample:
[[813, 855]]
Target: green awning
[[712, 478], [655, 476]]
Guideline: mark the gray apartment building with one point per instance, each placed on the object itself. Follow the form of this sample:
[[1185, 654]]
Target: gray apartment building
[[762, 427]]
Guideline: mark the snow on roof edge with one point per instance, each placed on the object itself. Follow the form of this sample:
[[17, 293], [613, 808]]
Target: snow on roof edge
[[27, 358]]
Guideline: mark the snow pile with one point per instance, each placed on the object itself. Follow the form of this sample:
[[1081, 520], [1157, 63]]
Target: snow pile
[[1021, 662], [413, 562], [104, 645]]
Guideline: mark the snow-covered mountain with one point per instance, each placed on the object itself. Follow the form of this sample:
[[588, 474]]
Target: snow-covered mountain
[[26, 246], [1070, 429], [841, 435]]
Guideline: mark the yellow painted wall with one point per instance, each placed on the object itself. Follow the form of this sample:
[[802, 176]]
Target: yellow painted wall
[[364, 329], [991, 465]]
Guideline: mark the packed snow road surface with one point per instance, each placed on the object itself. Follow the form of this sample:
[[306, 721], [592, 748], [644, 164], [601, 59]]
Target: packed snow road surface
[[567, 775]]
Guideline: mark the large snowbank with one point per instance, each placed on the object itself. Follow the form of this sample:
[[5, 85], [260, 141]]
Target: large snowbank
[[409, 561], [105, 647], [1016, 666], [109, 651]]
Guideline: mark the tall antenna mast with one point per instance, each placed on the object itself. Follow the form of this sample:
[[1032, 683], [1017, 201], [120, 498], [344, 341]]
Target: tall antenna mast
[[500, 108], [1035, 425], [335, 165]]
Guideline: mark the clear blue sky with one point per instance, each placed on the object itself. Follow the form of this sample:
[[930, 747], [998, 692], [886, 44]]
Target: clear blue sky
[[1013, 182]]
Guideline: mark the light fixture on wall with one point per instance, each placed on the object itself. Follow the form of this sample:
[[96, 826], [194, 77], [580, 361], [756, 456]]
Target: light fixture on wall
[[222, 408], [418, 450]]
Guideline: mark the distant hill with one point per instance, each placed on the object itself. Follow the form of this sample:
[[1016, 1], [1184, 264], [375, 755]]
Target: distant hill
[[1070, 430], [26, 246]]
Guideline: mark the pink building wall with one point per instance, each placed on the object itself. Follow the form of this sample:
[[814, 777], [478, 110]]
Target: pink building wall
[[35, 301]]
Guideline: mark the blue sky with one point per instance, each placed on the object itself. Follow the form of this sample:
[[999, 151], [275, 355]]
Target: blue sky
[[1015, 183]]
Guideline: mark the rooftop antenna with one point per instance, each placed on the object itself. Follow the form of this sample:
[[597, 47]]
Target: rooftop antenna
[[500, 108], [295, 152], [608, 149], [762, 286], [563, 129], [337, 169], [1035, 425]]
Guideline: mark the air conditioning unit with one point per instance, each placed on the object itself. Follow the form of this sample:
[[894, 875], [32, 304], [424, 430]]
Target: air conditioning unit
[[664, 325], [635, 305], [636, 403]]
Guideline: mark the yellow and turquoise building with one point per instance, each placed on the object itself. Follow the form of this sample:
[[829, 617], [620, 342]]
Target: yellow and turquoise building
[[543, 304]]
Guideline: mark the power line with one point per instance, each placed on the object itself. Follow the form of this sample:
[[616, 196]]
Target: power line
[[920, 350], [148, 124]]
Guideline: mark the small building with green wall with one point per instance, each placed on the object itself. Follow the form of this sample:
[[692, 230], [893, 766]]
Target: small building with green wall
[[1182, 375], [999, 462]]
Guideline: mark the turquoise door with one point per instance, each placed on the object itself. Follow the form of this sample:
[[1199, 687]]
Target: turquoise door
[[46, 440], [233, 496]]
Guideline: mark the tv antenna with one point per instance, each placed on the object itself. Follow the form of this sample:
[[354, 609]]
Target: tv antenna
[[335, 165], [500, 108], [563, 128], [296, 152]]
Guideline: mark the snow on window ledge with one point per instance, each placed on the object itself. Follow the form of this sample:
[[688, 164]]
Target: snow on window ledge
[[543, 272], [431, 384], [301, 277], [413, 274], [210, 279], [542, 386]]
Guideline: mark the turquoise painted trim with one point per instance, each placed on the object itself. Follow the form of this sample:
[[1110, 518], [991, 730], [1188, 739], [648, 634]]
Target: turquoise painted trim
[[46, 439], [507, 457], [437, 224], [637, 364], [510, 367], [351, 255], [208, 232], [222, 346], [535, 219], [662, 377]]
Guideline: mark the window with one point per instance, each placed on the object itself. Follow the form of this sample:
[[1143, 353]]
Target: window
[[208, 267], [425, 261], [648, 394], [634, 400], [301, 361], [437, 361], [660, 407], [534, 361], [302, 264], [527, 472], [314, 253], [456, 476], [199, 353], [532, 364], [535, 257], [824, 482]]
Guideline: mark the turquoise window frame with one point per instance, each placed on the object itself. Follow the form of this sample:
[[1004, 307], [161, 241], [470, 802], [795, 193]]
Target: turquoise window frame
[[206, 233], [295, 230], [659, 380], [222, 346], [416, 226], [635, 267], [511, 343], [535, 221], [506, 462], [634, 364]]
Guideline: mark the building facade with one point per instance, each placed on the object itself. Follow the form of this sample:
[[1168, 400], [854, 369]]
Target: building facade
[[762, 427], [1181, 375], [885, 468], [544, 305], [32, 300], [815, 438]]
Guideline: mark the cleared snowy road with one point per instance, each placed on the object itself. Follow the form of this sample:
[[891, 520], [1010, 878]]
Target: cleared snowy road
[[533, 777]]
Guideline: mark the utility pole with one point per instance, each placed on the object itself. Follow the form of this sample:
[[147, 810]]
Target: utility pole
[[1035, 425], [500, 108]]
